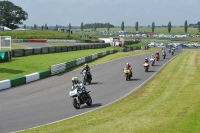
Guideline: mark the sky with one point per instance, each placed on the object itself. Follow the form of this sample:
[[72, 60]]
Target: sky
[[63, 12]]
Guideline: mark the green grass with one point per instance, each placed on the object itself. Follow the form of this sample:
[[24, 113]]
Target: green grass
[[169, 103], [19, 66], [38, 34]]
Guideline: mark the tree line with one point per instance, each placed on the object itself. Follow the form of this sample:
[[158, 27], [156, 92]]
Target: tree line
[[12, 16]]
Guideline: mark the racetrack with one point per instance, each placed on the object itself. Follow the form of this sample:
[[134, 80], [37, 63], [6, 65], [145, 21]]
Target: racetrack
[[48, 100]]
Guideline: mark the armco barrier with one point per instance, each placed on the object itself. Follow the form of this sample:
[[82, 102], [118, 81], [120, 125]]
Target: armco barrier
[[4, 84]]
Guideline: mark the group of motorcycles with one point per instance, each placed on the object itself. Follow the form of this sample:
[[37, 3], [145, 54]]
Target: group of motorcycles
[[81, 96], [151, 61]]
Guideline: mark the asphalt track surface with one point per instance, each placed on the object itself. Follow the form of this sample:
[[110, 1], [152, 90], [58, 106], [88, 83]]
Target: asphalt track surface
[[48, 100]]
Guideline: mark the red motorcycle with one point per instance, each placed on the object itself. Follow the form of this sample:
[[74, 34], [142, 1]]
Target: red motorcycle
[[157, 57]]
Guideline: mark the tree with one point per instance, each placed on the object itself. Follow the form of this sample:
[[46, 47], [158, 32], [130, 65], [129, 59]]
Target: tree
[[169, 26], [24, 26], [70, 26], [98, 25], [95, 26], [56, 27], [198, 26], [35, 27], [122, 26], [185, 26], [153, 27], [82, 26], [136, 26], [108, 26], [45, 26], [11, 15]]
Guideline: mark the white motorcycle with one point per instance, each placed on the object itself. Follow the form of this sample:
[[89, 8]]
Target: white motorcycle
[[152, 60], [79, 96]]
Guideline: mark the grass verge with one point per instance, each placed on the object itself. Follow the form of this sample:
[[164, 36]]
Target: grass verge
[[168, 103], [19, 66]]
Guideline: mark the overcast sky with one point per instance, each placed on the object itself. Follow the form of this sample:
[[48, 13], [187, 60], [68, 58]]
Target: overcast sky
[[63, 12]]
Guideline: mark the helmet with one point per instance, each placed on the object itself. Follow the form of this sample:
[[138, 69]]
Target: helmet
[[152, 54], [74, 80], [86, 64], [146, 58], [157, 51], [127, 63]]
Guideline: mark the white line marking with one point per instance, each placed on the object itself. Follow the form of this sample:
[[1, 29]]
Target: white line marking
[[106, 104]]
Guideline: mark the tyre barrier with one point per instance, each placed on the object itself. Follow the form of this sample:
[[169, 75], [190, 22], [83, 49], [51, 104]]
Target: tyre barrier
[[59, 68], [53, 49], [123, 49]]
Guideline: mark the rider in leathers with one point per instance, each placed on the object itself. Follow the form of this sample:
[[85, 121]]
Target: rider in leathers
[[129, 67], [87, 68], [75, 81]]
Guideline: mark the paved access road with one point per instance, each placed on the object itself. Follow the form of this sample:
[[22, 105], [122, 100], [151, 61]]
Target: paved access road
[[47, 100]]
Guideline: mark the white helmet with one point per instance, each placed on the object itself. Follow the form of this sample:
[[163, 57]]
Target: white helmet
[[127, 63]]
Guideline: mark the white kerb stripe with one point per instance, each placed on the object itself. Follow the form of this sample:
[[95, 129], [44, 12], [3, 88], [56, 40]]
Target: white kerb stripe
[[32, 77], [5, 84]]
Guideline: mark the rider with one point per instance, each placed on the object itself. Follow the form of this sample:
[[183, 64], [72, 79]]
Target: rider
[[152, 56], [173, 49], [129, 67], [157, 53], [146, 61], [163, 52], [87, 68], [75, 81]]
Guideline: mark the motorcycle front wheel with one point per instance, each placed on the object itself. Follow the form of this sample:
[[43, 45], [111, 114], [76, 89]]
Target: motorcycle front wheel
[[84, 81], [76, 104], [89, 102], [127, 77]]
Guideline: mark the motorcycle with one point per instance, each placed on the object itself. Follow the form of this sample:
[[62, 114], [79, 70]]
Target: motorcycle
[[169, 50], [172, 52], [157, 57], [86, 77], [79, 96], [127, 73], [164, 55], [152, 60], [146, 66]]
